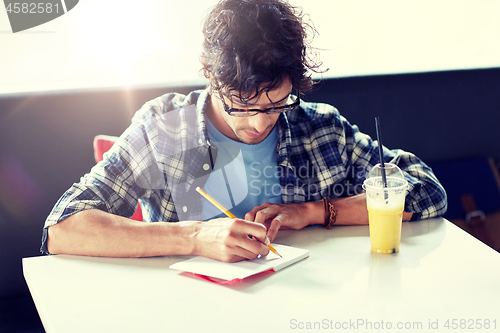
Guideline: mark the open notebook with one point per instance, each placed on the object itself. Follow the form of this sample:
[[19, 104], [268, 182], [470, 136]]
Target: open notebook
[[242, 269]]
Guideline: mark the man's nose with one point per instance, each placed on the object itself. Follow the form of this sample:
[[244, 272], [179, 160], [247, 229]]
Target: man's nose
[[260, 121]]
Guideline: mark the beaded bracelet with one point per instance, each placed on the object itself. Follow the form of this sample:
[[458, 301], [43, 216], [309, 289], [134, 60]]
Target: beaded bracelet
[[332, 213]]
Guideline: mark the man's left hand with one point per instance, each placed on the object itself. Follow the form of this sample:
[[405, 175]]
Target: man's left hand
[[286, 216]]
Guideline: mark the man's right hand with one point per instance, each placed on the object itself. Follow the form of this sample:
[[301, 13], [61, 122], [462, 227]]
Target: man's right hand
[[230, 240]]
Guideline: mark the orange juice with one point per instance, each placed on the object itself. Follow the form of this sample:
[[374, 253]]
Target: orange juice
[[386, 189], [385, 228]]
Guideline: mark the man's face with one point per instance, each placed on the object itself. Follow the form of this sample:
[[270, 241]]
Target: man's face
[[254, 129]]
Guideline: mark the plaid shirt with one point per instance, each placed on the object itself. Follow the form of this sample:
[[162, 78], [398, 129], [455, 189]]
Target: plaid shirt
[[166, 153]]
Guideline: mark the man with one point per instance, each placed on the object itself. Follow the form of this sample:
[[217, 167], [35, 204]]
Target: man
[[248, 139]]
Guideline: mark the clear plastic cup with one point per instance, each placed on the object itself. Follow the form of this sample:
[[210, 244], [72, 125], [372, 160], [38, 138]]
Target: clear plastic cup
[[385, 205]]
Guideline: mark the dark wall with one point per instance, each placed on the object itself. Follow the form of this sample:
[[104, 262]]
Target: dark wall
[[438, 116], [46, 139]]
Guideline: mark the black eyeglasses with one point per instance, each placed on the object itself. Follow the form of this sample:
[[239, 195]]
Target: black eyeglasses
[[252, 112]]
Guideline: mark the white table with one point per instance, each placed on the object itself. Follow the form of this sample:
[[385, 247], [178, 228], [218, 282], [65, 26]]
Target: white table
[[440, 274]]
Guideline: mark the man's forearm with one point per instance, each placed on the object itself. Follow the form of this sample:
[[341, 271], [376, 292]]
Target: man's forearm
[[353, 210], [97, 233]]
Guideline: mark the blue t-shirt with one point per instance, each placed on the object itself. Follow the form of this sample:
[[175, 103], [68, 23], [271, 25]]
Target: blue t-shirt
[[244, 176]]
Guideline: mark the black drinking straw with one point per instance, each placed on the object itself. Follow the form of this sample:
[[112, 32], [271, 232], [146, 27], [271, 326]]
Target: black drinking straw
[[380, 150]]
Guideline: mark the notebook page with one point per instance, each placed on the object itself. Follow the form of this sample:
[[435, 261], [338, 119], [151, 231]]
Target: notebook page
[[242, 269]]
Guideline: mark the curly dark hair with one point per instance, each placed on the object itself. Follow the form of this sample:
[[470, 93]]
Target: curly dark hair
[[253, 46]]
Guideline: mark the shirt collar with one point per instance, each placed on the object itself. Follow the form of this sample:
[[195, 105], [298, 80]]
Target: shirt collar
[[284, 139], [201, 107]]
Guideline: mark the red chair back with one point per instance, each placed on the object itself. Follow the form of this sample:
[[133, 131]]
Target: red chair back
[[102, 143]]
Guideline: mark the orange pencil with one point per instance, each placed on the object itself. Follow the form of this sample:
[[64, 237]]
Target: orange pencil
[[228, 213]]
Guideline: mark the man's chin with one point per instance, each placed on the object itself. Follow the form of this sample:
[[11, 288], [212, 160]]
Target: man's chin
[[250, 138]]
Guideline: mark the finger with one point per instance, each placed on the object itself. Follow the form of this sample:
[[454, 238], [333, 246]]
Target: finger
[[244, 254], [245, 228], [249, 239], [251, 249], [267, 224], [238, 247], [233, 258], [264, 250], [273, 228], [250, 216], [266, 214]]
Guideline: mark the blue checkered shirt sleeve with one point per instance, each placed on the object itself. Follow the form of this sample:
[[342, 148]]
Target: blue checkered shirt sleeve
[[335, 144]]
